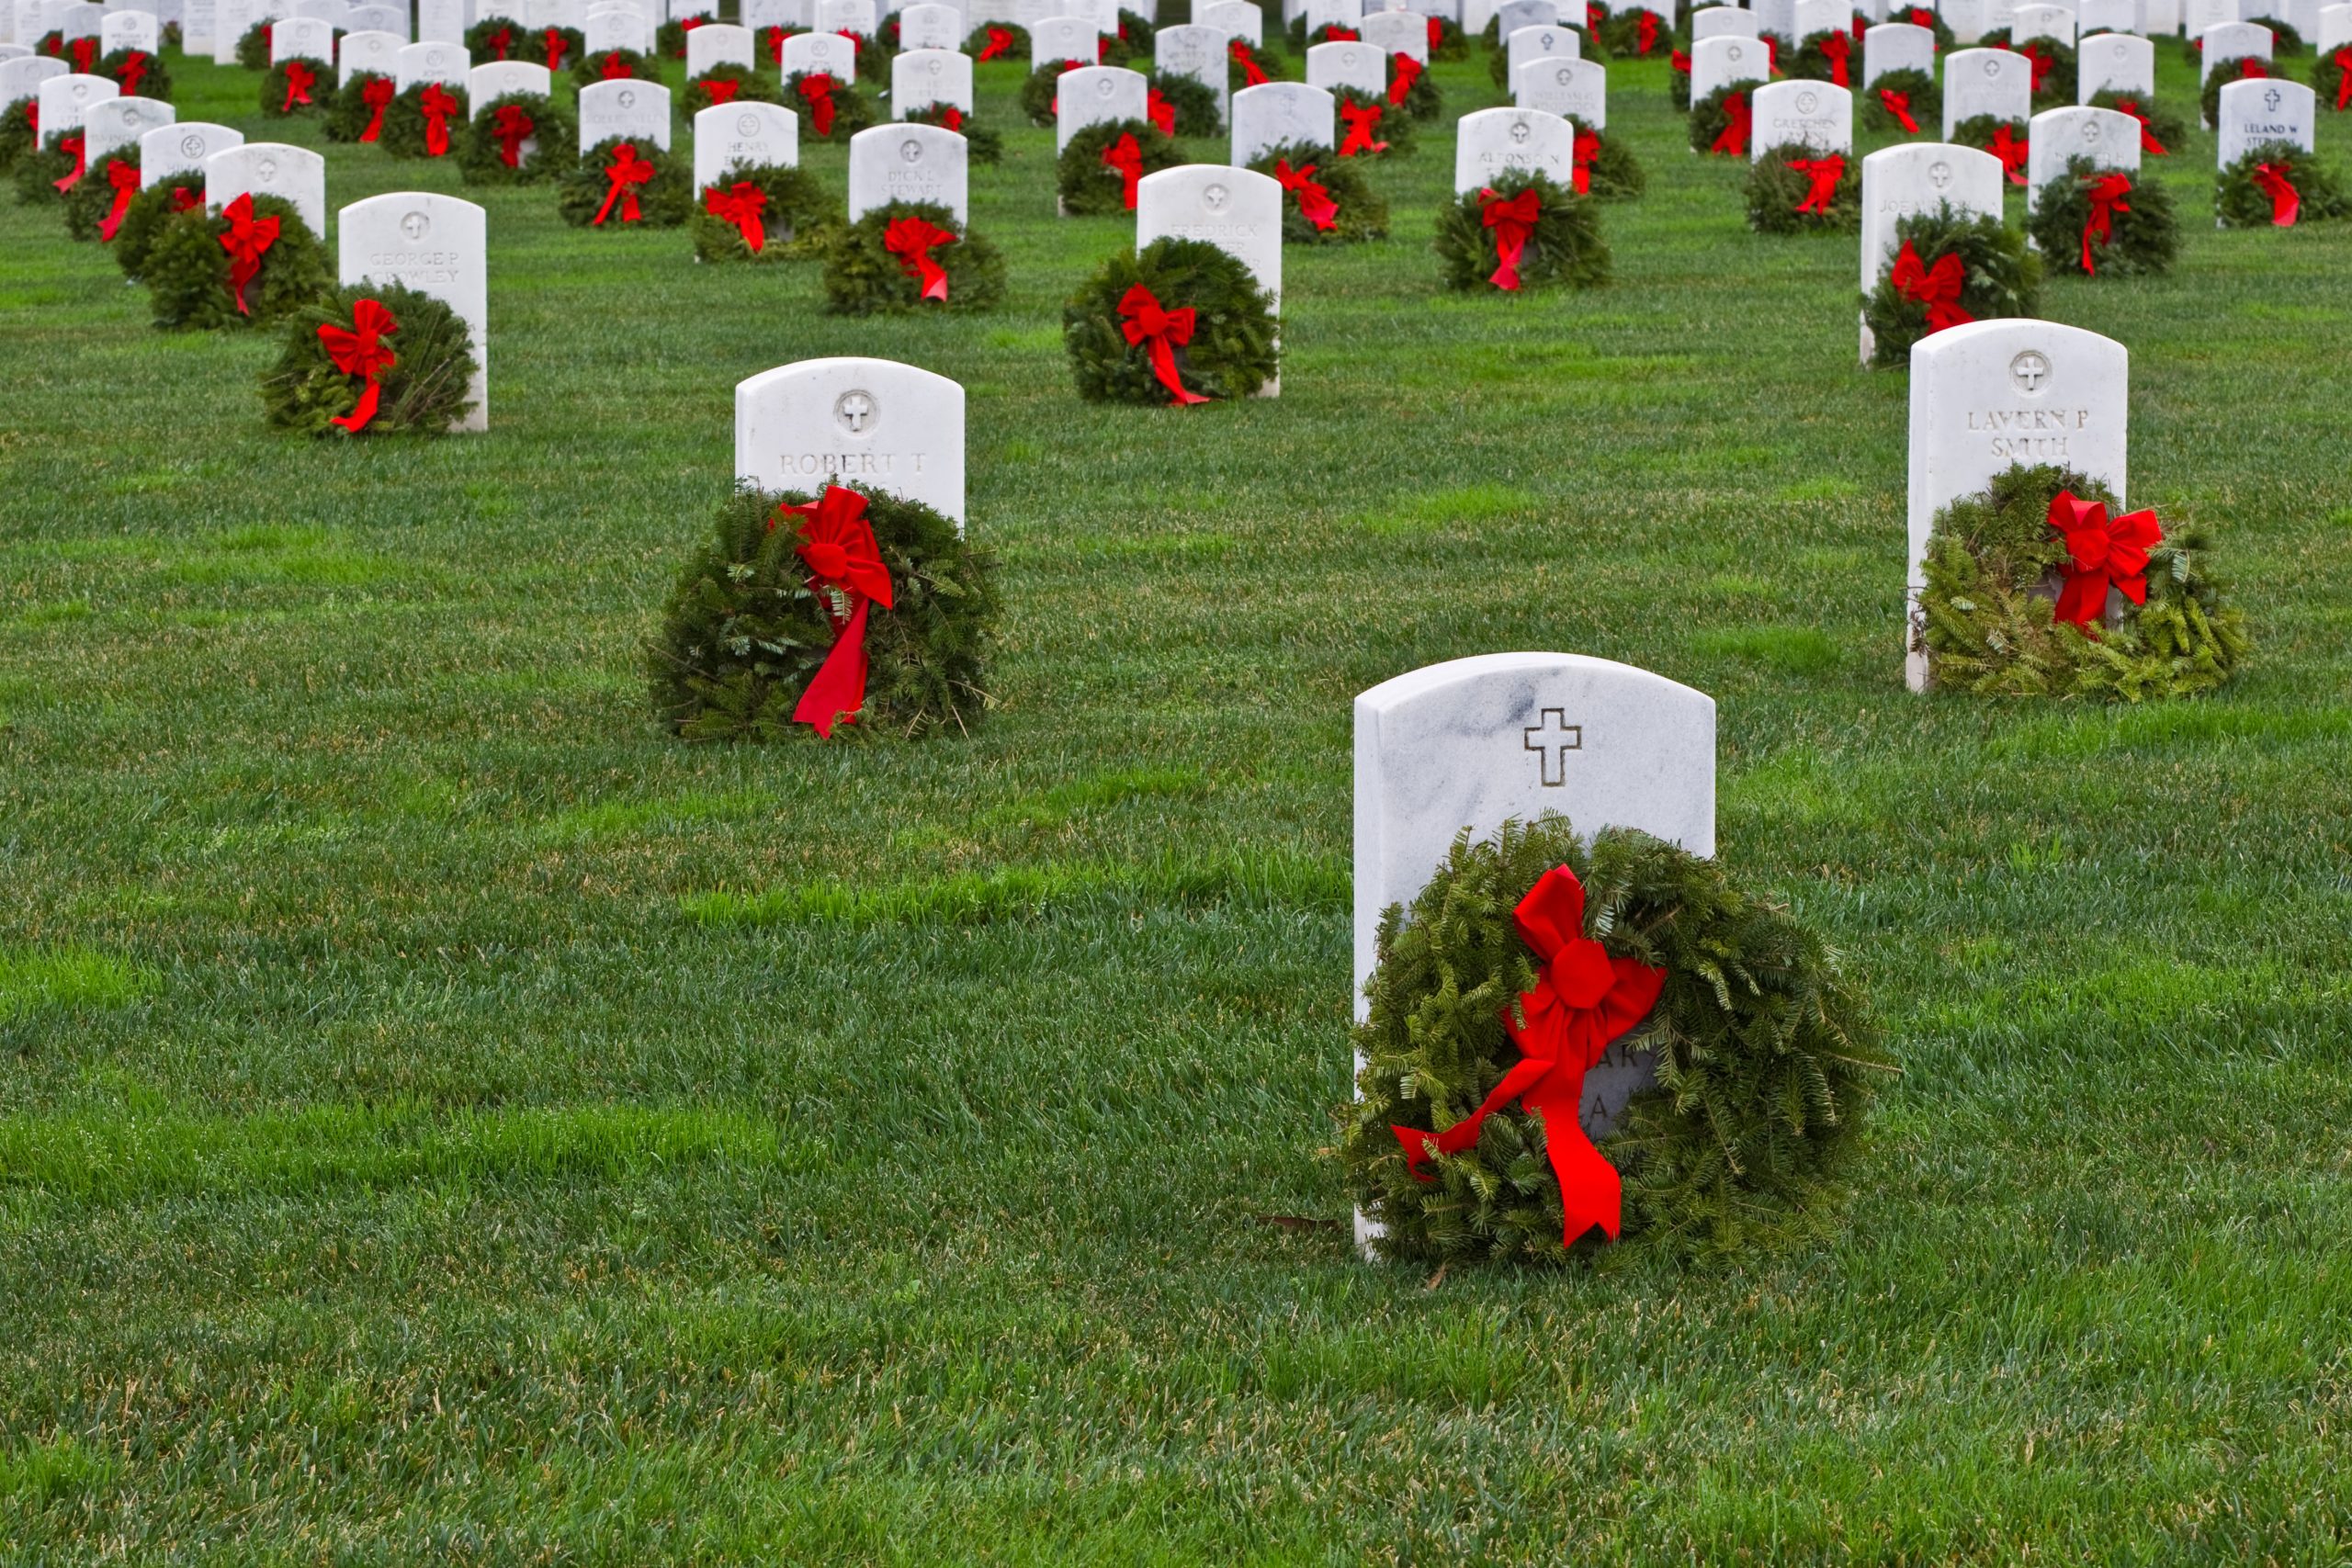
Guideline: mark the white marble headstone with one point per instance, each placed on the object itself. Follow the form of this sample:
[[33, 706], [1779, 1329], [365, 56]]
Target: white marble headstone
[[1358, 65], [761, 15], [1897, 46], [637, 110], [827, 55], [1914, 178], [1488, 144], [441, 21], [444, 63], [1398, 32], [129, 30], [373, 53], [292, 173], [1092, 94], [847, 17], [120, 122], [1778, 17], [1997, 82], [2196, 15], [1195, 51], [1321, 14], [899, 162], [1722, 21], [435, 244], [2109, 140], [2055, 23], [2334, 28], [1517, 13], [921, 77], [1812, 17], [1063, 38], [1573, 89], [932, 26], [2115, 62], [1817, 115], [872, 423], [486, 84], [2252, 112], [630, 29], [743, 135], [2108, 16], [393, 20], [1273, 113], [1719, 62], [337, 13], [21, 79], [182, 147], [301, 38], [1988, 396], [2233, 41], [1237, 210], [1235, 19], [718, 44], [63, 100], [1550, 41]]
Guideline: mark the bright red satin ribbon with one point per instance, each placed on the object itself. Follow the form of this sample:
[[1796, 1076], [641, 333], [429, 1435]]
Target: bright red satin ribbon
[[2342, 60], [1838, 49], [722, 90], [185, 199], [554, 42], [1923, 17], [911, 239], [2106, 194], [1437, 34], [134, 70], [376, 94], [513, 127], [1161, 333], [951, 117], [2010, 151], [1773, 53], [1899, 106], [124, 178], [1938, 286], [1334, 33], [614, 68], [2148, 142], [1252, 74], [1361, 120], [75, 144], [2043, 62], [845, 569], [1513, 220], [247, 241], [1581, 153], [2286, 201], [85, 53], [999, 42], [1160, 112], [1736, 123], [1128, 158], [743, 205], [1645, 33], [1678, 62], [1824, 173], [2253, 69], [1406, 72], [438, 106], [775, 37], [1584, 998], [299, 80], [2102, 552], [362, 352], [502, 42], [1315, 203], [627, 171], [816, 92]]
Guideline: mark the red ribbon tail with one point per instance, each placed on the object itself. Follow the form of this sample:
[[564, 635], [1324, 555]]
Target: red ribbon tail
[[837, 692], [364, 410], [1163, 365], [1591, 1192], [1508, 250]]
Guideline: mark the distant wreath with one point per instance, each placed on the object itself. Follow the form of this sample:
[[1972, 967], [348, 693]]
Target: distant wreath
[[911, 256], [625, 182], [1522, 233], [519, 139], [1180, 322], [1950, 268], [1794, 189], [1325, 201], [2094, 222], [762, 213], [2278, 184], [374, 361]]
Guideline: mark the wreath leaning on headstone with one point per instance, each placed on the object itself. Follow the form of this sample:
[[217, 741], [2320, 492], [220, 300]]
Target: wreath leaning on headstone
[[1249, 66], [2276, 185], [356, 111], [518, 139], [762, 213], [253, 47], [1133, 42], [97, 204], [17, 138], [372, 360], [139, 72], [613, 65], [1949, 268], [1325, 201], [2103, 223], [911, 255], [1447, 40], [2054, 66], [2036, 587], [1678, 79], [1903, 102], [982, 143], [495, 38], [1522, 233], [1098, 171], [2245, 68], [801, 609], [1041, 91], [1533, 957], [2160, 132], [297, 86], [1605, 166], [1412, 89], [2332, 79], [250, 264], [625, 182], [729, 84], [830, 109], [997, 40], [1183, 322], [1372, 127], [1637, 34], [424, 121], [1190, 106], [2005, 139], [1794, 189], [1825, 57], [47, 174], [1724, 120], [149, 212]]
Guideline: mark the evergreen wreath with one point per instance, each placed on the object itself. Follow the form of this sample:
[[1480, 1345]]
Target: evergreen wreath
[[1089, 187], [1132, 42], [349, 113], [770, 42], [2143, 239], [274, 96], [2208, 97], [1042, 90], [1982, 131], [1612, 173], [1447, 40], [1329, 32], [1229, 354], [1595, 47], [851, 110], [613, 65], [1992, 578], [1268, 66], [2284, 38], [1423, 101], [871, 59], [1999, 277], [482, 149], [139, 72], [749, 88], [564, 53], [982, 143], [1920, 97], [1711, 116], [2054, 66], [16, 137], [404, 122], [1924, 17], [864, 277], [1563, 249], [186, 270], [670, 36], [1677, 81], [1765, 1058], [1812, 61], [1775, 189], [744, 632], [148, 212], [2165, 131], [664, 199], [93, 196], [38, 173], [425, 389], [1621, 35], [2330, 79], [253, 47], [2240, 197], [1394, 137], [1195, 103], [797, 213], [997, 40], [1360, 212], [500, 38]]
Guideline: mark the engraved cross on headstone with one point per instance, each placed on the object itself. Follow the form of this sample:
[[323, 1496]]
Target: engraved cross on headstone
[[1551, 741], [856, 410]]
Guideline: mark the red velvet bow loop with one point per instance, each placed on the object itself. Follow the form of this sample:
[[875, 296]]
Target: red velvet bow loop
[[1362, 122], [1160, 112], [1159, 332], [2148, 142], [1584, 999], [1000, 43], [743, 205], [1838, 49], [1737, 121], [299, 80], [1404, 71], [1126, 159], [438, 106], [2102, 552], [502, 42], [1513, 219], [362, 352], [846, 571], [185, 198], [74, 144], [1824, 173], [2043, 60], [1252, 74], [2106, 194], [951, 117], [911, 239], [1315, 203], [614, 68], [720, 89], [1436, 36], [1938, 286], [816, 92], [2010, 151], [376, 94], [85, 53], [247, 241], [555, 43], [2286, 201], [1771, 54], [124, 178], [1582, 151], [513, 127], [626, 173], [1899, 106], [134, 70]]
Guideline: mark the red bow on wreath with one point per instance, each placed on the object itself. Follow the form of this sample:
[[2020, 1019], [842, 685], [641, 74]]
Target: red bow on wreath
[[1899, 106], [555, 43], [1771, 54], [627, 171], [2010, 151], [1124, 158], [1513, 220], [1582, 151], [2342, 60], [1736, 121], [438, 106], [1584, 999], [1315, 203], [247, 241], [73, 143], [2251, 69], [1824, 173], [186, 198], [1593, 16], [1000, 43], [1406, 71], [846, 572], [1838, 49], [1252, 74], [299, 80], [1437, 35], [816, 91], [376, 94], [1065, 68], [1645, 33], [2106, 194], [2286, 201], [615, 69], [2043, 60], [502, 42], [951, 117], [912, 240], [124, 178], [1922, 17], [134, 72], [742, 204], [1938, 286], [1361, 120], [513, 127], [1159, 332], [85, 53], [2101, 552], [1678, 62], [775, 38], [362, 352], [720, 89], [2148, 142], [1160, 112]]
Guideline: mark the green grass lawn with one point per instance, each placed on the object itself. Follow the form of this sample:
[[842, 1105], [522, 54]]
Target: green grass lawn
[[442, 1120]]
